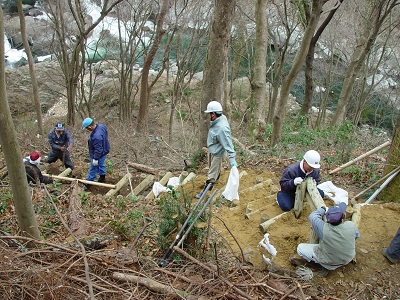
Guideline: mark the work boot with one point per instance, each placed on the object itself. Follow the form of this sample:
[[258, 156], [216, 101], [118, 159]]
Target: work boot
[[323, 272], [296, 260], [102, 178], [198, 196], [392, 260]]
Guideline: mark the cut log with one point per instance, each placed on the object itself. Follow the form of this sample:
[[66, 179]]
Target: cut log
[[299, 199], [144, 184], [316, 201], [111, 186], [356, 217], [188, 178], [384, 145], [66, 172], [182, 177], [163, 181], [264, 226], [119, 185], [143, 168]]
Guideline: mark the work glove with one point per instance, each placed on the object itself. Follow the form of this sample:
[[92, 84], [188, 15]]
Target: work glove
[[298, 180], [95, 162], [234, 163]]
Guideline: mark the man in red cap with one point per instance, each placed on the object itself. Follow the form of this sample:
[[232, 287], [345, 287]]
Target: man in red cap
[[33, 173]]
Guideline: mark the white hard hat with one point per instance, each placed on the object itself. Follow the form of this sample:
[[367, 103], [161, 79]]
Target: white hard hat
[[312, 158], [214, 106]]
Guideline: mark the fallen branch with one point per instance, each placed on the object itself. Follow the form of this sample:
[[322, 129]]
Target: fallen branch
[[151, 284], [243, 146], [143, 168]]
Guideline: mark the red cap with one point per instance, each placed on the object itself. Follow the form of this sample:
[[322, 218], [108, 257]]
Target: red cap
[[34, 156]]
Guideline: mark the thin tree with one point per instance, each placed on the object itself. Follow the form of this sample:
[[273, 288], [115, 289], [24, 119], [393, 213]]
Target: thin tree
[[380, 10], [309, 85], [32, 74], [144, 81], [13, 156], [297, 63], [216, 60], [258, 85]]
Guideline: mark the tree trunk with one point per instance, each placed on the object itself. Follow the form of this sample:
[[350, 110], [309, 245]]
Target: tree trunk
[[13, 156], [216, 60], [144, 84], [297, 63], [259, 91], [32, 74], [391, 193]]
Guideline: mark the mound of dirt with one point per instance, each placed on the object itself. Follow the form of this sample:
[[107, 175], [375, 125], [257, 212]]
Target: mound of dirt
[[239, 225]]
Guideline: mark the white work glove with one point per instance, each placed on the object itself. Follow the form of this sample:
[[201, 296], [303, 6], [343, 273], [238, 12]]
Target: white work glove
[[298, 180], [95, 162]]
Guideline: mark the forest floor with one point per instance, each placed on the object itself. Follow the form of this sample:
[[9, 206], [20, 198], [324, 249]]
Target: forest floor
[[242, 272]]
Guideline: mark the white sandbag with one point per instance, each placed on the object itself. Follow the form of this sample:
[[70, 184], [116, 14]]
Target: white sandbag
[[232, 187], [334, 193]]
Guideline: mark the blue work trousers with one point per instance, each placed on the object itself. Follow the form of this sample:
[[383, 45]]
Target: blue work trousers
[[393, 251], [99, 169]]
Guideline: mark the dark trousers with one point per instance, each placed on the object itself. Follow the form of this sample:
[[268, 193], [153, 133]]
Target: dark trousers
[[63, 156], [393, 251]]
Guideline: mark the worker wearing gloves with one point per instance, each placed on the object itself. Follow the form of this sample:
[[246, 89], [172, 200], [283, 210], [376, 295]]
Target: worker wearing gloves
[[219, 143], [99, 147], [337, 237], [294, 175], [392, 253], [60, 141]]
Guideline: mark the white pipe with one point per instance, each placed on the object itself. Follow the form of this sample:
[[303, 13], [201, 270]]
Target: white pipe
[[381, 187]]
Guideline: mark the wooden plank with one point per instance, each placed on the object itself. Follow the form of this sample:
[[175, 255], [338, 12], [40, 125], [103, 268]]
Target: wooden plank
[[111, 186], [299, 199], [317, 202], [119, 185], [356, 217]]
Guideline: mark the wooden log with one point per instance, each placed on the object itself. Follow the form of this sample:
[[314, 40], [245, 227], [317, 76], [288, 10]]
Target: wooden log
[[66, 172], [264, 226], [182, 176], [317, 202], [143, 168], [188, 178], [111, 186], [376, 149], [299, 199], [356, 217], [119, 185], [144, 184], [163, 181]]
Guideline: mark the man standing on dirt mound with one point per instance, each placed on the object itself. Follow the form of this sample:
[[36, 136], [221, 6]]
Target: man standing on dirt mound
[[61, 142], [337, 246], [219, 143], [294, 175], [99, 147]]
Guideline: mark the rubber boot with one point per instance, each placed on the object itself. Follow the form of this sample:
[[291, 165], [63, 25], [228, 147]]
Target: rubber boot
[[102, 178]]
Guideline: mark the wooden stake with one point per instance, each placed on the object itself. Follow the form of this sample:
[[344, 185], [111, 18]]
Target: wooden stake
[[163, 181], [264, 226], [299, 199], [148, 181]]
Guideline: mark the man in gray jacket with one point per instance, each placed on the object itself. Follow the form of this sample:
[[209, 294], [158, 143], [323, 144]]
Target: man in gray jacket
[[336, 247], [219, 143]]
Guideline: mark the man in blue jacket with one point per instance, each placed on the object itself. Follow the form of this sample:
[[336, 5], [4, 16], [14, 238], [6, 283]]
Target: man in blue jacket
[[219, 143], [294, 175], [99, 147], [61, 142]]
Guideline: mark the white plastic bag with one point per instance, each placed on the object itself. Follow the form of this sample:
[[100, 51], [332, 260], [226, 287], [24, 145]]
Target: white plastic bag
[[232, 187]]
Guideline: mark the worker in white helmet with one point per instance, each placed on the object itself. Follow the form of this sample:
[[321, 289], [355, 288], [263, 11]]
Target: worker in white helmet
[[219, 143], [294, 175]]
